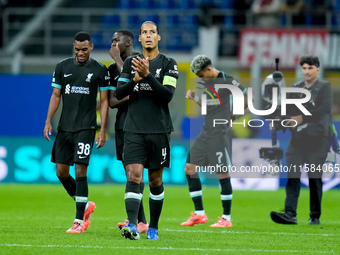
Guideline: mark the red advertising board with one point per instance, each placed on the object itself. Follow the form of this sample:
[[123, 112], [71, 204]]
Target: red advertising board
[[288, 45]]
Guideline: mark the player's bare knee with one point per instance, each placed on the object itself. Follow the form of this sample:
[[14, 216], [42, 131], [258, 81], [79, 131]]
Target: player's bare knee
[[62, 175], [134, 172], [221, 176], [62, 171], [190, 169], [133, 176], [81, 170], [155, 181]]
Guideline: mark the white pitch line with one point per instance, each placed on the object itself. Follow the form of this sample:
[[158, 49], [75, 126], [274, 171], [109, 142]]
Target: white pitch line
[[161, 248], [230, 232], [245, 232]]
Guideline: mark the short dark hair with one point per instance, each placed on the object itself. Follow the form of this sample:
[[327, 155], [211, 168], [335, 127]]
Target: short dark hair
[[310, 60], [199, 63], [127, 33], [82, 36], [149, 21]]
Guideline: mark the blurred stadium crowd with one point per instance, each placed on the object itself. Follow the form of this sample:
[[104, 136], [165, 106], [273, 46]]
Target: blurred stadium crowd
[[180, 18]]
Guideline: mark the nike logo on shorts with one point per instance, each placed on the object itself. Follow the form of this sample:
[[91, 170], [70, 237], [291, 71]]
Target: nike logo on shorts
[[67, 75], [81, 157]]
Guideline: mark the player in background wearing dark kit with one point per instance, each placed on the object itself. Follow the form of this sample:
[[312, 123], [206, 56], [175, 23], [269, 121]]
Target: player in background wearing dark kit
[[150, 80], [76, 80], [308, 144], [121, 48], [213, 145]]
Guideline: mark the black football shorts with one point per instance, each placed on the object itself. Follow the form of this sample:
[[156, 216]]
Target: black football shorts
[[73, 147], [150, 150], [211, 151], [119, 139]]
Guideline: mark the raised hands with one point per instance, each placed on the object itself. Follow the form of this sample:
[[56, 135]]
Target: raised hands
[[141, 66]]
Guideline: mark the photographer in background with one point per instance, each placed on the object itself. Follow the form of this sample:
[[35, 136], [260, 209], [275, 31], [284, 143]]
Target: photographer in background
[[308, 144]]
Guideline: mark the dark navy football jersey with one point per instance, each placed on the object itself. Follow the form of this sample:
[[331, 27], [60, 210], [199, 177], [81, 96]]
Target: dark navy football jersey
[[79, 84], [148, 113], [123, 108], [216, 110]]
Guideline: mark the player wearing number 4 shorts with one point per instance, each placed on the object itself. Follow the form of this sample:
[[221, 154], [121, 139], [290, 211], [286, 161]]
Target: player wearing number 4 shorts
[[212, 148], [149, 79], [77, 80]]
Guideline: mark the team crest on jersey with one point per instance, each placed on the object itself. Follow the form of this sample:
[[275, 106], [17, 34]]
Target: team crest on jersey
[[89, 76], [158, 73]]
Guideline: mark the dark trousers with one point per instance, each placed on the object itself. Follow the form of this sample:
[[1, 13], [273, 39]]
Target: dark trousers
[[314, 153]]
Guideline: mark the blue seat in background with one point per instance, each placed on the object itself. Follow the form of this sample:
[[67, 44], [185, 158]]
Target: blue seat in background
[[187, 21], [142, 18], [188, 4], [133, 20], [160, 4], [111, 19], [137, 4], [336, 14], [228, 22], [181, 40], [172, 20], [224, 4], [124, 4]]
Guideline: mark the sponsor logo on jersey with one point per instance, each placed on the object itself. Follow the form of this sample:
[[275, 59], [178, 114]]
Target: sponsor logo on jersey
[[173, 71], [89, 76], [158, 73], [67, 89], [80, 90], [142, 86], [213, 102], [67, 75], [136, 88]]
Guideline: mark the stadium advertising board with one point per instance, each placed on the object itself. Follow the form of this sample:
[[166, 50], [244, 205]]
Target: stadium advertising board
[[288, 45], [28, 160]]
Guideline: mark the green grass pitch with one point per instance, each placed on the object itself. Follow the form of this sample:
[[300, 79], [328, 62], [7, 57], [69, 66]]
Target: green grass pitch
[[34, 220]]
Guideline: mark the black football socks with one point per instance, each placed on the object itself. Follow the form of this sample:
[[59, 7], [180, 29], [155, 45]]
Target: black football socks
[[82, 193], [195, 189], [132, 200], [156, 199]]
